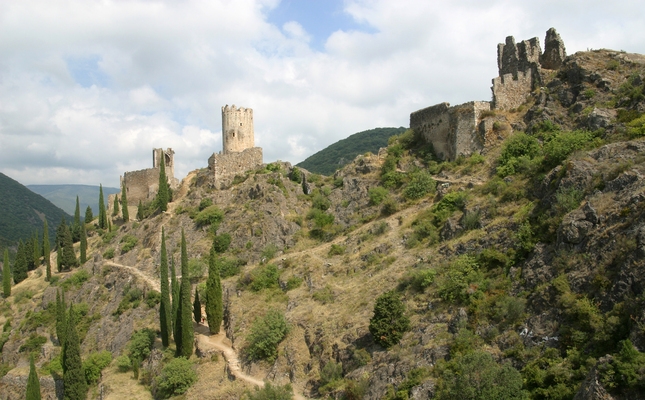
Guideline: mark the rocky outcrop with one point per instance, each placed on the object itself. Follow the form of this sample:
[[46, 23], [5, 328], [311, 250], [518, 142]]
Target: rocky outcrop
[[554, 51]]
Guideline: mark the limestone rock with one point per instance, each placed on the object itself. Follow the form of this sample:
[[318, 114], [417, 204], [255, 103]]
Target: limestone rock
[[600, 118], [574, 228]]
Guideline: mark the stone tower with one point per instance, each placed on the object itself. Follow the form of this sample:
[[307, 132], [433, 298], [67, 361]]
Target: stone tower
[[169, 160], [237, 129]]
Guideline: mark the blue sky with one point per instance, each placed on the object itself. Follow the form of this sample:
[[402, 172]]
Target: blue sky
[[88, 88]]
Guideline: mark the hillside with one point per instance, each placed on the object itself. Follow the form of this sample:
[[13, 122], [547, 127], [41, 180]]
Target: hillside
[[64, 196], [333, 157], [23, 212], [516, 273]]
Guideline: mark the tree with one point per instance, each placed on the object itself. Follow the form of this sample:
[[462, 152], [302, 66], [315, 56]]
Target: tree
[[174, 288], [37, 250], [197, 308], [102, 215], [33, 384], [124, 204], [165, 307], [214, 303], [68, 260], [76, 227], [74, 383], [89, 217], [29, 254], [60, 242], [20, 264], [140, 211], [175, 378], [46, 252], [83, 244], [6, 275], [115, 206], [389, 321], [163, 194], [61, 317], [185, 339], [265, 336]]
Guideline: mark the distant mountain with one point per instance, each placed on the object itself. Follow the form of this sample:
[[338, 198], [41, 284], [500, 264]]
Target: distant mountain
[[22, 212], [64, 196], [328, 160]]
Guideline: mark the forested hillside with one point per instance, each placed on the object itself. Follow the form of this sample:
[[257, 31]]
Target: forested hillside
[[64, 196]]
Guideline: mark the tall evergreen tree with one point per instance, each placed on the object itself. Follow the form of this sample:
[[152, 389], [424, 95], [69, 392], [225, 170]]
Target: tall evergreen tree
[[33, 384], [61, 317], [46, 252], [76, 227], [83, 244], [6, 275], [60, 242], [115, 206], [89, 217], [174, 289], [29, 254], [20, 264], [38, 251], [68, 260], [214, 303], [165, 317], [197, 308], [74, 383], [163, 194], [102, 216], [185, 339], [124, 204], [140, 211]]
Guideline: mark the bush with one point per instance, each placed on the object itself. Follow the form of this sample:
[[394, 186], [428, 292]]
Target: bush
[[517, 153], [377, 195], [421, 183], [265, 336], [123, 363], [109, 253], [77, 279], [228, 266], [269, 252], [389, 322], [128, 242], [562, 144], [293, 283], [94, 364], [264, 278], [270, 392], [196, 269], [205, 203], [389, 206], [336, 250], [320, 202], [176, 377], [461, 280], [153, 298], [211, 215], [296, 175], [324, 295], [332, 372], [221, 242], [140, 344], [33, 344]]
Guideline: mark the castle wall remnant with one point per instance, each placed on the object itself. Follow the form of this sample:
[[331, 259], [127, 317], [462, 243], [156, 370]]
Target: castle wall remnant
[[143, 185], [239, 153], [453, 131]]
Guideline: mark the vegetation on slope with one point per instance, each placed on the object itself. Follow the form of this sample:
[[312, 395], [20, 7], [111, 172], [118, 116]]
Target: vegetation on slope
[[64, 196]]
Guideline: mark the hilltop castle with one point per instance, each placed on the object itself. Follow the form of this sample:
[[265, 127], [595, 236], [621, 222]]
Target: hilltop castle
[[239, 153], [461, 130], [143, 185]]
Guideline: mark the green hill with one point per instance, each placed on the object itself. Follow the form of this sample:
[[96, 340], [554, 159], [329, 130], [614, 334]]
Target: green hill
[[23, 212], [328, 160], [64, 196]]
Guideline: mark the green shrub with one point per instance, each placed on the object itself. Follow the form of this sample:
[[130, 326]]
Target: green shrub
[[324, 295], [461, 280], [264, 277], [627, 371], [419, 280], [221, 242], [94, 364], [228, 266], [637, 127], [76, 280], [196, 269], [123, 363], [331, 372], [265, 336], [471, 220], [109, 253], [153, 298], [420, 184], [205, 203], [270, 392], [336, 250], [175, 378], [211, 215], [389, 322], [268, 252], [320, 202], [562, 144], [390, 206], [293, 283], [131, 299], [517, 153], [140, 344], [127, 243], [568, 199], [377, 195], [33, 344], [296, 175]]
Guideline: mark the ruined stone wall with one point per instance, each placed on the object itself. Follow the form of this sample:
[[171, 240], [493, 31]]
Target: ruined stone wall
[[510, 93], [237, 129], [224, 167], [453, 131], [144, 184]]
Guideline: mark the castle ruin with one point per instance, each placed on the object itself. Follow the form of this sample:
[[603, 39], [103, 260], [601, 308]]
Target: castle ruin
[[239, 153], [461, 130], [143, 185]]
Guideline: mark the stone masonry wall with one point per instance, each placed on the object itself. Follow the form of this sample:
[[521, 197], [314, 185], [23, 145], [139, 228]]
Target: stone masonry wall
[[434, 124], [237, 129], [224, 167], [143, 184], [510, 93]]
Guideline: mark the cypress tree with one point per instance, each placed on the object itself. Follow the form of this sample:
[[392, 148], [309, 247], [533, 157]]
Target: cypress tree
[[68, 260], [174, 287], [20, 265], [115, 206], [214, 303], [164, 308], [37, 250], [61, 317], [140, 211], [89, 217], [6, 275], [83, 244], [60, 242], [74, 383], [185, 340], [29, 254], [197, 308], [46, 252], [33, 384], [76, 227], [163, 194], [102, 216], [124, 204]]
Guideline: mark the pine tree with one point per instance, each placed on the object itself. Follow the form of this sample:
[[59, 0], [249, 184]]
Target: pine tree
[[115, 206], [163, 194], [197, 308], [83, 244], [89, 217], [76, 227], [61, 317], [102, 216], [174, 288], [46, 252], [185, 340], [33, 384], [140, 211], [214, 303], [20, 265], [165, 307], [124, 204], [74, 383], [68, 260], [6, 275]]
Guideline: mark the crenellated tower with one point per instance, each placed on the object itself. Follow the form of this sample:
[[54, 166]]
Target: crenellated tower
[[237, 129]]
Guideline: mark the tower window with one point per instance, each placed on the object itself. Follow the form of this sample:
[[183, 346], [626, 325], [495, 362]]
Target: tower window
[[240, 124]]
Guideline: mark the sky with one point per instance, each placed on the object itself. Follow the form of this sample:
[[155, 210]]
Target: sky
[[89, 87]]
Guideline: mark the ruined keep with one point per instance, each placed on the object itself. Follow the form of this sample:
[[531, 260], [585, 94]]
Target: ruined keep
[[144, 184], [239, 153], [461, 130]]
